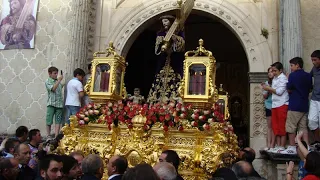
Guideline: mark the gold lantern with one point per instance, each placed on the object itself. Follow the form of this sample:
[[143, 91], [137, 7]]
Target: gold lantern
[[223, 102], [107, 79], [198, 84]]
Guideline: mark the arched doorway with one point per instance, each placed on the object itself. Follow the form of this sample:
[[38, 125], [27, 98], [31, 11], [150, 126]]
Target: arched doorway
[[231, 59]]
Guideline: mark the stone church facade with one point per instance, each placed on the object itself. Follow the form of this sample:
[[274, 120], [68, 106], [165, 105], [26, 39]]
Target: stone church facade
[[69, 31]]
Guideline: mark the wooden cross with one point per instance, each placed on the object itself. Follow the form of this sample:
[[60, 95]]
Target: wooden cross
[[183, 12]]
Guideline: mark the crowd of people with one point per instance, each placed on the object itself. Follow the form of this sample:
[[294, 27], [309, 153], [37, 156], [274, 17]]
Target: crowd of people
[[27, 157]]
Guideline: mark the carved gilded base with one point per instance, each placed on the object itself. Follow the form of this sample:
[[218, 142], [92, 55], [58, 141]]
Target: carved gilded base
[[201, 152]]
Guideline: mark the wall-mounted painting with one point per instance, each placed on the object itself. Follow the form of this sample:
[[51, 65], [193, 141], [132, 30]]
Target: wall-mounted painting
[[18, 24]]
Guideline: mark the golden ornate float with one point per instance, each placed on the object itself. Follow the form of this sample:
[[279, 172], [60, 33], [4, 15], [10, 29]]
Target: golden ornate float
[[202, 148]]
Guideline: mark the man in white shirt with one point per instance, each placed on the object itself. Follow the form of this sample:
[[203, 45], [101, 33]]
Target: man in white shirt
[[74, 93], [280, 101]]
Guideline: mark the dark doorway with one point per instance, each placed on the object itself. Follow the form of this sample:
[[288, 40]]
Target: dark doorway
[[232, 63]]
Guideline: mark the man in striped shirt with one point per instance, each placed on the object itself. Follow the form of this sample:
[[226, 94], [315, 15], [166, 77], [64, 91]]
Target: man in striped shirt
[[55, 100]]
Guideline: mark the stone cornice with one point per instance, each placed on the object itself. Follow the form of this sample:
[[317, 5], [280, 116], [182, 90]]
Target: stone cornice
[[257, 77]]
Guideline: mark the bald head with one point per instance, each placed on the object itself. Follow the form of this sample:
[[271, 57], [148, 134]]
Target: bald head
[[250, 150], [9, 168], [22, 153], [247, 154], [165, 170], [242, 169], [117, 165]]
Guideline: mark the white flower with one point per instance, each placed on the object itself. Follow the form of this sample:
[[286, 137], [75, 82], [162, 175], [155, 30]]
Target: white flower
[[183, 109], [206, 112], [81, 122], [193, 116], [182, 115], [210, 120], [110, 104], [213, 114]]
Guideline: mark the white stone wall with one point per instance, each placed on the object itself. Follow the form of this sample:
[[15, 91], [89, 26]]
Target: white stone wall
[[23, 72], [310, 29]]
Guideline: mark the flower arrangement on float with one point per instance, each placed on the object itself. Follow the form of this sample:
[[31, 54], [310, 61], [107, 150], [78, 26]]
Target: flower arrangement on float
[[168, 114]]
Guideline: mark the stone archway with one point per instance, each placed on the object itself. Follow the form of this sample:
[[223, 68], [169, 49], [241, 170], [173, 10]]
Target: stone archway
[[243, 26], [239, 22]]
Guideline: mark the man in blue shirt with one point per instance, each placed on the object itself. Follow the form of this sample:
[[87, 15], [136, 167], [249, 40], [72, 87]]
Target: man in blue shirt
[[314, 121], [299, 86]]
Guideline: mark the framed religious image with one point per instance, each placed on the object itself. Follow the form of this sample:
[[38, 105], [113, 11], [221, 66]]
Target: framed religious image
[[197, 79], [223, 106], [102, 78], [18, 24]]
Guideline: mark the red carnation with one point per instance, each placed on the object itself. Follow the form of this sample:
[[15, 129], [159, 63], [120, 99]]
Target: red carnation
[[165, 128], [109, 121], [78, 115], [131, 114], [176, 119], [167, 117], [121, 118], [126, 108], [180, 128], [161, 118], [161, 111], [150, 112], [154, 118], [170, 123]]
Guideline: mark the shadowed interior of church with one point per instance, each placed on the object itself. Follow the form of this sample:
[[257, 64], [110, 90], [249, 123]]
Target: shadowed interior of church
[[232, 63]]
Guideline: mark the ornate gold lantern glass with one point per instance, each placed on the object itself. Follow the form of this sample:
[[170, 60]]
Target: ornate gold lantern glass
[[198, 85], [107, 80]]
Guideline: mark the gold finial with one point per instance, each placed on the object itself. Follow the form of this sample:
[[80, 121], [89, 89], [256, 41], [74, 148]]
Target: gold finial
[[201, 42], [109, 51], [111, 47], [221, 87], [179, 2]]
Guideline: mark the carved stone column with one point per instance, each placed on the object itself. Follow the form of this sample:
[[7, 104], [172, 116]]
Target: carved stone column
[[290, 32], [258, 122], [82, 32]]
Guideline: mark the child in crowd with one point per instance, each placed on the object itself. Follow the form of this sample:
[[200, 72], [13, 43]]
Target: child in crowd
[[299, 86], [74, 93], [279, 110], [55, 100], [311, 163], [301, 170], [268, 105], [314, 116]]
